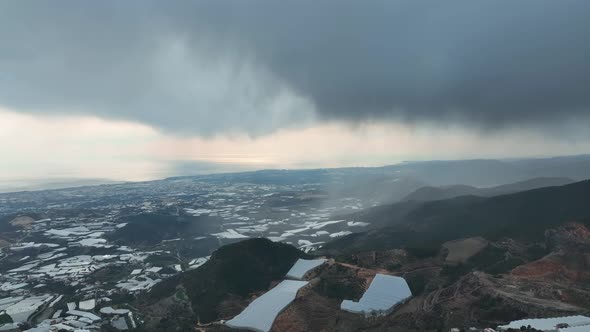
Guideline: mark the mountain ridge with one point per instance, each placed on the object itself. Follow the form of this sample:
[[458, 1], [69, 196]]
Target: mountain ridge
[[430, 193], [523, 215]]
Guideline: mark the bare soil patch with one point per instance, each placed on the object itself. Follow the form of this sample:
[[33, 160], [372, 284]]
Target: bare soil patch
[[461, 250]]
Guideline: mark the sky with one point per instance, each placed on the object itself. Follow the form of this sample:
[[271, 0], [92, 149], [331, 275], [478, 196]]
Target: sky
[[137, 90]]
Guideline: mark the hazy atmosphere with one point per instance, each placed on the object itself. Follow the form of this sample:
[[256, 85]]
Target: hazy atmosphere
[[140, 90], [294, 166]]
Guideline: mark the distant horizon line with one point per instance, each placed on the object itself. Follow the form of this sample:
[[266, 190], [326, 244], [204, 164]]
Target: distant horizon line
[[61, 183]]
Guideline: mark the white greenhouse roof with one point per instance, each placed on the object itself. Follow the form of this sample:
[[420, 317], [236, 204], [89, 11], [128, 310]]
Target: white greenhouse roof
[[20, 311], [87, 305], [584, 328], [111, 311], [384, 293], [262, 312], [547, 324], [302, 266], [88, 315]]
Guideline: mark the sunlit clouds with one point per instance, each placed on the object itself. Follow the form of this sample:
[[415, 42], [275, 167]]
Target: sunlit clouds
[[90, 147], [72, 147]]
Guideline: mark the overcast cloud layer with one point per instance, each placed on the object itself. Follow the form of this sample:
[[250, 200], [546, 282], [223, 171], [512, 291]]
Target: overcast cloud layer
[[209, 67]]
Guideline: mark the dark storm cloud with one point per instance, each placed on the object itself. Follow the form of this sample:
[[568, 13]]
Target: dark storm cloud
[[208, 67]]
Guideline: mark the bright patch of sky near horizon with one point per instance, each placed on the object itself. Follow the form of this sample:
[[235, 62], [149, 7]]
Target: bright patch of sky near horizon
[[138, 90], [65, 147]]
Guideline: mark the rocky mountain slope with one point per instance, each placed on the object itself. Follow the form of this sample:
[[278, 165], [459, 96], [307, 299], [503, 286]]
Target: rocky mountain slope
[[469, 261], [524, 216], [221, 287]]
